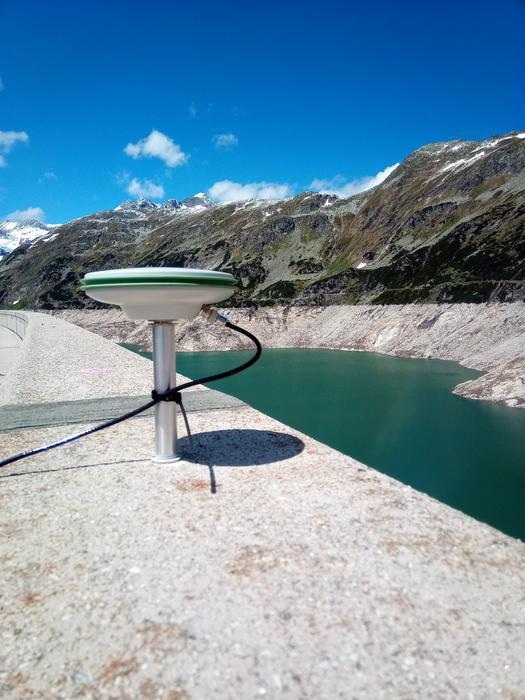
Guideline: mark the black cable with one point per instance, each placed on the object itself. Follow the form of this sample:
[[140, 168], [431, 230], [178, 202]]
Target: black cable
[[172, 395], [228, 372], [72, 438]]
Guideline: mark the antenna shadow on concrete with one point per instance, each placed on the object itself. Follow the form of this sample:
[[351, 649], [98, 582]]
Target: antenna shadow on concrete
[[239, 448]]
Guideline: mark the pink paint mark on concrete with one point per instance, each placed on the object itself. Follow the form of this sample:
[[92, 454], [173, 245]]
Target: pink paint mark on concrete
[[93, 370]]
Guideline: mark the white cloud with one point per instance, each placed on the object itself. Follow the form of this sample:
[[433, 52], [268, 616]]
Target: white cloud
[[228, 191], [146, 188], [26, 214], [193, 110], [225, 141], [2, 86], [7, 140], [157, 145], [341, 188]]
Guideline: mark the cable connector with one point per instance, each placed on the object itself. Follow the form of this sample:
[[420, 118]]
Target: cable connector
[[211, 315]]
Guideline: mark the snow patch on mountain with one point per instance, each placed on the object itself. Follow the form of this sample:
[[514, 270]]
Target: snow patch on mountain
[[466, 152], [462, 162], [16, 233]]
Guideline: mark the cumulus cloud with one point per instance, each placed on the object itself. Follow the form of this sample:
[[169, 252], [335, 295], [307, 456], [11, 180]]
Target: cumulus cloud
[[146, 188], [228, 191], [157, 145], [225, 141], [7, 140], [26, 214], [341, 188]]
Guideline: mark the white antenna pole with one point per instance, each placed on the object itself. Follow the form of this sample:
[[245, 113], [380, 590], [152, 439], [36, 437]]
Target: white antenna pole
[[165, 379]]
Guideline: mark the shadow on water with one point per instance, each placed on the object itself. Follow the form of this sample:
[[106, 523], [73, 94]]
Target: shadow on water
[[239, 448]]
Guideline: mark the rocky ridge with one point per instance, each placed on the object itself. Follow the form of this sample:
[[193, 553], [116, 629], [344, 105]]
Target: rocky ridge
[[447, 225]]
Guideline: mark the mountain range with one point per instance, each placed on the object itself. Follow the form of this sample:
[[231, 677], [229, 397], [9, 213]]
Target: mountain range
[[447, 225]]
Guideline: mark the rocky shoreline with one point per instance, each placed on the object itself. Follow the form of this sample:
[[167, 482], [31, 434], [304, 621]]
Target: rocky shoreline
[[487, 337]]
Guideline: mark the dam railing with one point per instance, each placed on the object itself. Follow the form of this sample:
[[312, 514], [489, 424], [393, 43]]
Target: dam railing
[[15, 322]]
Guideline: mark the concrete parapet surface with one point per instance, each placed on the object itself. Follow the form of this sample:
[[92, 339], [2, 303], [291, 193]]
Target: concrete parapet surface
[[263, 564], [60, 362]]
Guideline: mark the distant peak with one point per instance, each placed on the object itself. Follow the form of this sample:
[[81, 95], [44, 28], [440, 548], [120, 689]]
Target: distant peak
[[143, 203], [446, 148], [172, 203], [15, 233], [26, 223], [198, 200], [136, 204]]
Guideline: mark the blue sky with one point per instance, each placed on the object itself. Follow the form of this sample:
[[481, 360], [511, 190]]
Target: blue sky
[[99, 99]]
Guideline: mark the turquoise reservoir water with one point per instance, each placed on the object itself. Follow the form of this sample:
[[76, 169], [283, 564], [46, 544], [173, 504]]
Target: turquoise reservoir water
[[395, 414]]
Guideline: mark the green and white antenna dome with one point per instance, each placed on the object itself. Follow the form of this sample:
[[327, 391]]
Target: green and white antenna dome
[[159, 293]]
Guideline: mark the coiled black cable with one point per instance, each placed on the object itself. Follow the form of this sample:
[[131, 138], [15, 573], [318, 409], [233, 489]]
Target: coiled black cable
[[172, 395]]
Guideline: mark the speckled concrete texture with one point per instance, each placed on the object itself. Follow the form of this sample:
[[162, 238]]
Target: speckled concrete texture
[[264, 564], [61, 362]]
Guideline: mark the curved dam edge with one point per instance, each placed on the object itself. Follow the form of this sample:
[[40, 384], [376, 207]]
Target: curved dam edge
[[486, 337]]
